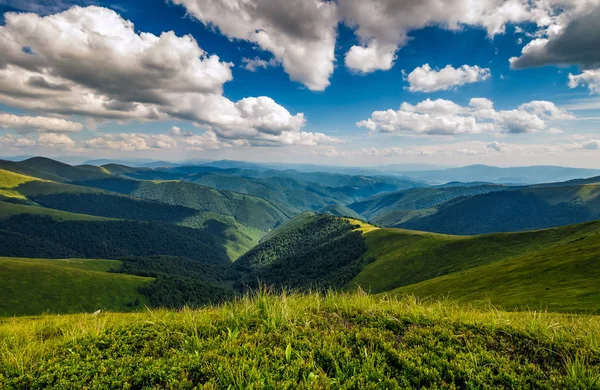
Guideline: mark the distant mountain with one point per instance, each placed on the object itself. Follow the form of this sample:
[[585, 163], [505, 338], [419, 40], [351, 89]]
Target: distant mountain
[[516, 175]]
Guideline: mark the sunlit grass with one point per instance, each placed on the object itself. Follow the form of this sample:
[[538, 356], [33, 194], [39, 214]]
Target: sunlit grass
[[306, 341]]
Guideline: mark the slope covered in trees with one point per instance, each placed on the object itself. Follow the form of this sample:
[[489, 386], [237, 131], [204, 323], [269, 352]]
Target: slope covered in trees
[[311, 251], [513, 210], [249, 210], [386, 207]]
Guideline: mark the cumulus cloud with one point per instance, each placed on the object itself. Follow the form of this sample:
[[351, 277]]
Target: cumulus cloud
[[383, 26], [131, 142], [56, 141], [175, 131], [444, 117], [591, 145], [10, 141], [253, 64], [498, 147], [571, 38], [26, 124], [591, 78], [426, 79], [92, 62], [300, 34], [375, 56]]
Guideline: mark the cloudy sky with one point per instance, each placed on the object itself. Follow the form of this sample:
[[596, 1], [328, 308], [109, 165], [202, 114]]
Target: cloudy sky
[[348, 82]]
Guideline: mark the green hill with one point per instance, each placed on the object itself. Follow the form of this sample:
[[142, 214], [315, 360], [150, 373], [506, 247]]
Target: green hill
[[303, 341], [10, 181], [555, 269], [394, 208], [71, 202], [8, 210], [311, 251], [48, 169], [513, 210], [248, 210], [340, 211], [35, 286]]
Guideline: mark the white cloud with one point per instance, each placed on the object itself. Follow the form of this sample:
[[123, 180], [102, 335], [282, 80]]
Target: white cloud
[[92, 62], [367, 59], [300, 34], [569, 37], [546, 110], [175, 131], [591, 78], [10, 141], [131, 142], [25, 124], [383, 26], [425, 79], [252, 64], [444, 117], [591, 145], [498, 147], [55, 141]]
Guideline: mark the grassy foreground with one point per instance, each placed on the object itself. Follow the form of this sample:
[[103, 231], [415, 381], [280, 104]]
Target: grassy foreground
[[304, 341]]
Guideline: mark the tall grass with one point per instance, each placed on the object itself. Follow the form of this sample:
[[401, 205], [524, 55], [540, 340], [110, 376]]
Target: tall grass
[[311, 340]]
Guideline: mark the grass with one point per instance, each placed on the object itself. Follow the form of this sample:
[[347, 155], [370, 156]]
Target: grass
[[304, 341], [555, 269], [563, 278], [8, 210], [11, 180], [32, 286], [362, 226]]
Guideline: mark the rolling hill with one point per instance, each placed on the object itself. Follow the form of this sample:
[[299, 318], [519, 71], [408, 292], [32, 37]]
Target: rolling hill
[[393, 208], [512, 175], [511, 270], [68, 201], [46, 168], [36, 286], [310, 251], [513, 210], [553, 268], [248, 210]]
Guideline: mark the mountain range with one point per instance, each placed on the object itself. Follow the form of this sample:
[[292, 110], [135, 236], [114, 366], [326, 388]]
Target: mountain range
[[196, 234]]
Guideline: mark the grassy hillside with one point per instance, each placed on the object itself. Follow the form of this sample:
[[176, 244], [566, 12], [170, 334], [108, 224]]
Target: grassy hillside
[[35, 286], [308, 341], [554, 269], [513, 210], [9, 181], [45, 168], [561, 278]]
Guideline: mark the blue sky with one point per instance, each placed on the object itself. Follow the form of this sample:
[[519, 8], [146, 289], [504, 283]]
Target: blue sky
[[306, 120]]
